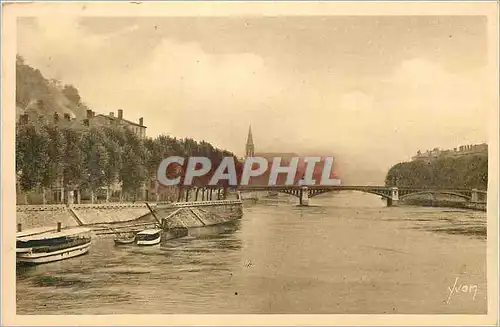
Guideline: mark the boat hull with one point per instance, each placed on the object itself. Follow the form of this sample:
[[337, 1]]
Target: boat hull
[[124, 242], [149, 242], [46, 257]]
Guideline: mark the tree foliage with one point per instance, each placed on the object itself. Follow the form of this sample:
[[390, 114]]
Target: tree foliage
[[464, 172], [93, 158], [55, 155], [73, 161], [31, 156], [72, 94]]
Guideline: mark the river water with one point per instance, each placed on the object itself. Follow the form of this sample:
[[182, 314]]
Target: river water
[[348, 254]]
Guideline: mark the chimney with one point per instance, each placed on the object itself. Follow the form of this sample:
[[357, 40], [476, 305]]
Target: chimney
[[56, 117], [112, 114], [141, 121], [89, 113], [58, 226], [120, 113]]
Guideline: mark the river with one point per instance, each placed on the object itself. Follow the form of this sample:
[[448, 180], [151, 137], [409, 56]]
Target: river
[[348, 254]]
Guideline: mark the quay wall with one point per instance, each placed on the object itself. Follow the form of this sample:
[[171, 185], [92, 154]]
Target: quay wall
[[187, 214], [95, 214], [200, 214], [182, 219], [32, 216], [444, 203]]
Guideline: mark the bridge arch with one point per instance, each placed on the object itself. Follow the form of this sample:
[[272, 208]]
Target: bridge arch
[[290, 191], [313, 191], [385, 195], [392, 194], [444, 192]]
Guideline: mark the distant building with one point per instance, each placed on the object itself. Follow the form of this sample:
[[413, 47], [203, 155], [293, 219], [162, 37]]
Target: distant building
[[111, 120], [249, 148], [69, 120], [264, 178], [286, 158], [463, 150], [64, 120], [36, 113], [427, 155]]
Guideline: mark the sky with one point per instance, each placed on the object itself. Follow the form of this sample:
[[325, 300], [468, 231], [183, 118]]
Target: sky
[[369, 90]]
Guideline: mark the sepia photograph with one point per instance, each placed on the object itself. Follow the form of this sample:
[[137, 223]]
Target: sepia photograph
[[250, 159]]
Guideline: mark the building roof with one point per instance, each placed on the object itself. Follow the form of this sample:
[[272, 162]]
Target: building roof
[[35, 231], [54, 234], [149, 232], [122, 119]]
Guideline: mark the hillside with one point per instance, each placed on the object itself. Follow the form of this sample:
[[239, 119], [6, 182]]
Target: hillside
[[465, 172], [38, 96]]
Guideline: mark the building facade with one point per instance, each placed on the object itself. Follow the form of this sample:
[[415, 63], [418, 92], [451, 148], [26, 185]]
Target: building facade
[[249, 148], [111, 120], [463, 150], [286, 158]]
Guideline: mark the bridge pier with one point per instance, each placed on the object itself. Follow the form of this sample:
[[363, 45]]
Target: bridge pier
[[304, 196], [393, 200], [474, 196]]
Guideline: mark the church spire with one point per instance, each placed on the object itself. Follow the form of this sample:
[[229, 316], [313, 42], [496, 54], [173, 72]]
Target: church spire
[[249, 149], [249, 138]]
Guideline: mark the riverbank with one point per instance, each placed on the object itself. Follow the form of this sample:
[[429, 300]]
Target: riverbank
[[107, 218], [442, 203]]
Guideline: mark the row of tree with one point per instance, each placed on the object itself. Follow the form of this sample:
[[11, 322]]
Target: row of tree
[[95, 158], [464, 172]]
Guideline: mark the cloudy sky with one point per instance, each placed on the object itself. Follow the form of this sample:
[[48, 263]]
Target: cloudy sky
[[364, 89]]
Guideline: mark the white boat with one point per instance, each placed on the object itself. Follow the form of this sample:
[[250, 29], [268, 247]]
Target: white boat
[[124, 239], [149, 237], [40, 246], [35, 231]]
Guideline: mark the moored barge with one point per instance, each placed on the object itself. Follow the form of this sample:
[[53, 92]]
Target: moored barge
[[52, 245]]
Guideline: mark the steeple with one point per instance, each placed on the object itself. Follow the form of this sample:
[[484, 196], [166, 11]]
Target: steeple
[[249, 138], [249, 149]]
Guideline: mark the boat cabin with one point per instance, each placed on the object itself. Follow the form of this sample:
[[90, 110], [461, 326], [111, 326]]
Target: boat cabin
[[149, 235], [54, 240]]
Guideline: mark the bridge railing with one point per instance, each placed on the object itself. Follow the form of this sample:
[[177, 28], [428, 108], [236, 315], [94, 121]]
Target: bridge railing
[[199, 203], [347, 187]]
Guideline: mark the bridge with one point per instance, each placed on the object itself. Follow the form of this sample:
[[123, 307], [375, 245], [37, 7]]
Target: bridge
[[304, 193], [392, 194]]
